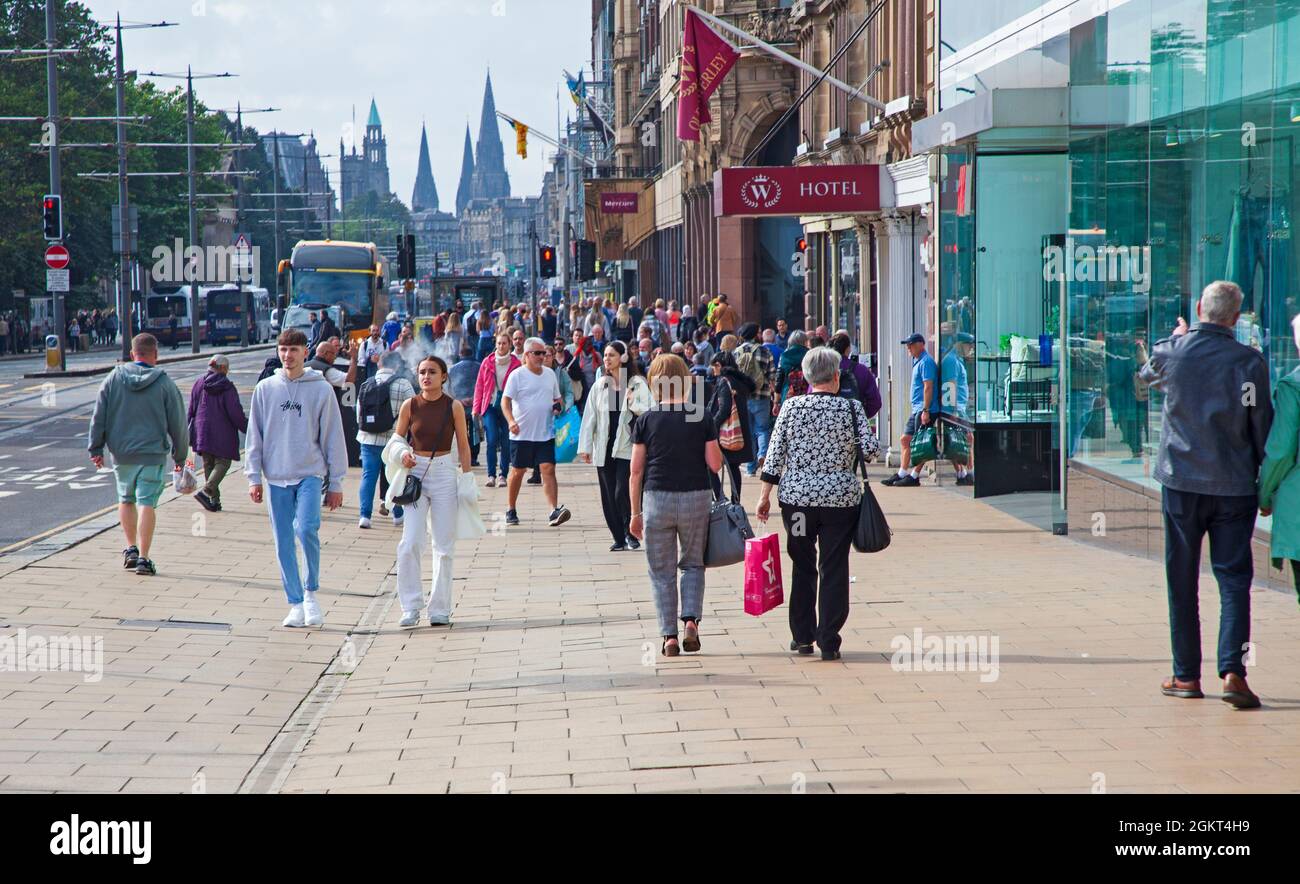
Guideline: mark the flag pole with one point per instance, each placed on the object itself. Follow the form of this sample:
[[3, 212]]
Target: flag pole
[[787, 58]]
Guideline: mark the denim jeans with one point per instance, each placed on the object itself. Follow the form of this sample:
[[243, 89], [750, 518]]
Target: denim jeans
[[760, 418], [372, 474], [498, 440], [1230, 524], [295, 514]]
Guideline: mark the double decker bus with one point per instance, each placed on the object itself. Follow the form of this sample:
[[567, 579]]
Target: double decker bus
[[226, 305], [349, 276]]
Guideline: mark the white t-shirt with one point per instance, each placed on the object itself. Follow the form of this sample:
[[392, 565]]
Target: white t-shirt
[[532, 396]]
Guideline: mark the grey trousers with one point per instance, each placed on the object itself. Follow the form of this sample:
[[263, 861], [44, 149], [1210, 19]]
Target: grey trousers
[[676, 528]]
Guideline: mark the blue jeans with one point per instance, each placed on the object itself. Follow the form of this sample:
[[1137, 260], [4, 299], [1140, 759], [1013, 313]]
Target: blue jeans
[[498, 440], [295, 513], [372, 474], [1230, 523], [760, 418]]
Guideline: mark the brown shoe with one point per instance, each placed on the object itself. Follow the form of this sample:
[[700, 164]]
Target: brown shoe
[[691, 641], [1237, 693], [1188, 690], [671, 648]]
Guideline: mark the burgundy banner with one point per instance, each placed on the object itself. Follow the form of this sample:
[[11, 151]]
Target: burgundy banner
[[615, 203], [706, 59], [796, 190]]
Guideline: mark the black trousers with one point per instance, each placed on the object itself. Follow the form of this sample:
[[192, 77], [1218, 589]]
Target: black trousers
[[614, 499], [818, 539]]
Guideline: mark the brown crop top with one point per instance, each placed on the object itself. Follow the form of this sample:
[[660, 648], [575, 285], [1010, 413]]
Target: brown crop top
[[432, 424]]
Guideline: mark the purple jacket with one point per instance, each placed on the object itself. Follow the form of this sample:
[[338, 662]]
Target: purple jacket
[[868, 389], [216, 417]]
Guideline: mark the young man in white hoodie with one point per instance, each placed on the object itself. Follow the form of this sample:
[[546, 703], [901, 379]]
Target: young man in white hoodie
[[295, 436]]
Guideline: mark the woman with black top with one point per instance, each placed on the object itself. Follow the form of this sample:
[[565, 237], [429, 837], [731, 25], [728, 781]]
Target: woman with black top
[[624, 330], [674, 450], [811, 456], [619, 396], [433, 423], [731, 387]]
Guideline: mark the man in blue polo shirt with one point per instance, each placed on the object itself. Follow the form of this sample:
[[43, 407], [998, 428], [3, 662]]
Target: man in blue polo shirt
[[924, 381]]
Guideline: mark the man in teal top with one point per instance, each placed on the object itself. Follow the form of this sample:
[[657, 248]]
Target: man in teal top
[[140, 418], [925, 374]]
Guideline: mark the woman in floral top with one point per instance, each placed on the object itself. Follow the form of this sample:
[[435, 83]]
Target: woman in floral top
[[811, 457]]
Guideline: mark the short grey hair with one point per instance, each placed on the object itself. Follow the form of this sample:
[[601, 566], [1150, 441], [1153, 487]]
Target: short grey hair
[[821, 365], [391, 361], [1220, 302], [534, 343], [219, 362], [798, 338]]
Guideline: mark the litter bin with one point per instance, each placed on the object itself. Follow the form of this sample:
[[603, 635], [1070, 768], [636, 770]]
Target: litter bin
[[53, 358]]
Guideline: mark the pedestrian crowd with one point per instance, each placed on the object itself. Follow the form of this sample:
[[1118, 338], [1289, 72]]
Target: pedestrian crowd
[[674, 407]]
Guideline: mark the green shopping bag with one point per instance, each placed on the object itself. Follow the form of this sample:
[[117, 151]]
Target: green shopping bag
[[925, 446], [955, 446]]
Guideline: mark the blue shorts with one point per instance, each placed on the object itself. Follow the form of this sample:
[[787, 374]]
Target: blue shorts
[[140, 484]]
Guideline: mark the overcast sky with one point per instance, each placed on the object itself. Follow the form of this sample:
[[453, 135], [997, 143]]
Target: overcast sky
[[420, 59]]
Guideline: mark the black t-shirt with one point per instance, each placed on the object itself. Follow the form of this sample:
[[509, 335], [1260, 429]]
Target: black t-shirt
[[675, 439]]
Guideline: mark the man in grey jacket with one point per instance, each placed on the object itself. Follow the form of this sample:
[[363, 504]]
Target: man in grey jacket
[[1217, 414], [295, 436], [140, 418]]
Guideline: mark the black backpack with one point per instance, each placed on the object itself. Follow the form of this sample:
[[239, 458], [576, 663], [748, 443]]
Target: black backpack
[[849, 384], [272, 366], [376, 409]]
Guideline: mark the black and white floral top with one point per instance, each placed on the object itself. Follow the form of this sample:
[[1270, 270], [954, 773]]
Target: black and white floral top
[[812, 454]]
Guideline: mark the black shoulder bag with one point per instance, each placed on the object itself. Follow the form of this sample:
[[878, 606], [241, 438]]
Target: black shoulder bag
[[411, 491], [872, 533]]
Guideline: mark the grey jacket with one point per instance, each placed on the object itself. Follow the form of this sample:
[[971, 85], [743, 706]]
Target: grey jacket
[[139, 417], [1217, 411]]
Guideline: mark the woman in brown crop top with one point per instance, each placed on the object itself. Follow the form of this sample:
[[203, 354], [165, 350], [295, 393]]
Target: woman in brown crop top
[[433, 422]]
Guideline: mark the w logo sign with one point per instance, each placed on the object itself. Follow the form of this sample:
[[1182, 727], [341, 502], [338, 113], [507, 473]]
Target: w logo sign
[[760, 192]]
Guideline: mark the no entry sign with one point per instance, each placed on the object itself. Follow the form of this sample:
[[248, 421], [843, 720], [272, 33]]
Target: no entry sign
[[57, 257]]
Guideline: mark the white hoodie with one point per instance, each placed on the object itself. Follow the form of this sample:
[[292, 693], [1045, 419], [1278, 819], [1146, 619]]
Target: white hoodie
[[295, 432]]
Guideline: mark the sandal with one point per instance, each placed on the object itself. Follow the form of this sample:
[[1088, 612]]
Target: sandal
[[691, 642], [670, 650], [1187, 690]]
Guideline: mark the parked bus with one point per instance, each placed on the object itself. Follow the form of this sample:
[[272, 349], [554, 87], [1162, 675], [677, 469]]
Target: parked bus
[[225, 309], [351, 276], [159, 305]]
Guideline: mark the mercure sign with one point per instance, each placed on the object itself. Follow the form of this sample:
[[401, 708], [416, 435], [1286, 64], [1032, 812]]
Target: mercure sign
[[796, 190]]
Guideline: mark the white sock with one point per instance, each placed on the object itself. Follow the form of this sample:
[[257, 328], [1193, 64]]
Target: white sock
[[902, 472], [961, 472], [916, 472]]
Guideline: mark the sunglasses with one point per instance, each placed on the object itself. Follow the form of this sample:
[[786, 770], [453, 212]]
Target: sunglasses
[[536, 352]]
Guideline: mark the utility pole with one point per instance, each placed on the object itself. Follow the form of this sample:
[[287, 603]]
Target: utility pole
[[275, 201], [56, 175], [194, 223], [244, 314], [123, 212]]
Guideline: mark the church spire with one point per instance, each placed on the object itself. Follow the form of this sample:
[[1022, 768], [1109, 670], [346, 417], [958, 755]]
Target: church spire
[[490, 178], [425, 196], [465, 192]]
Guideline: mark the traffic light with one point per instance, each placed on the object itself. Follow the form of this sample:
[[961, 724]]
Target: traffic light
[[408, 271], [546, 262], [584, 259], [52, 217], [801, 245], [399, 265]]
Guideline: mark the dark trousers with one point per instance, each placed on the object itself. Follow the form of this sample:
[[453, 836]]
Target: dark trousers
[[818, 539], [614, 500], [716, 481], [1230, 524]]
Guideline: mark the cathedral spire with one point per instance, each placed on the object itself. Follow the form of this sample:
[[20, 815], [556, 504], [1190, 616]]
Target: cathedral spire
[[490, 178], [425, 196], [465, 192]]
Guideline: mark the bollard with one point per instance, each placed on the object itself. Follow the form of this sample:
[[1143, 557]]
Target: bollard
[[53, 358]]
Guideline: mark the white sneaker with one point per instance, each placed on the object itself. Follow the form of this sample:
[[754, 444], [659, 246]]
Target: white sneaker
[[398, 520], [311, 610], [295, 619], [491, 482], [409, 618], [364, 523]]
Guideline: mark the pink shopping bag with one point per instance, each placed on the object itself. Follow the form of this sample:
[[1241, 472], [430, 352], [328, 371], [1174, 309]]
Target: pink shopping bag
[[763, 589]]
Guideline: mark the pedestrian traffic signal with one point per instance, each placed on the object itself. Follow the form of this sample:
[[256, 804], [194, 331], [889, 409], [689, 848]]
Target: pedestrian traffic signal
[[584, 259], [546, 262], [801, 245], [408, 270], [52, 217]]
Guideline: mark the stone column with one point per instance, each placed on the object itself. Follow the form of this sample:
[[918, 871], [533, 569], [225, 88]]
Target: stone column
[[902, 285]]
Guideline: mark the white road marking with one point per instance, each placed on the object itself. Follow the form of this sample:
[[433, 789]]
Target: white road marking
[[46, 445], [7, 493]]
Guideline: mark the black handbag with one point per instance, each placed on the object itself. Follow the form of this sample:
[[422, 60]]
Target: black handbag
[[411, 491], [871, 534], [728, 530]]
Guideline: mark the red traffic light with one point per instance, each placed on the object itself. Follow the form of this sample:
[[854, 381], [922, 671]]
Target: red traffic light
[[801, 244]]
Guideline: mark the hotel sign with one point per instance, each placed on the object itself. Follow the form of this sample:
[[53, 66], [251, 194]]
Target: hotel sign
[[618, 203], [796, 190]]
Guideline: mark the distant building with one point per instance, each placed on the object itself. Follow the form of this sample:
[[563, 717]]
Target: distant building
[[301, 169], [367, 171]]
